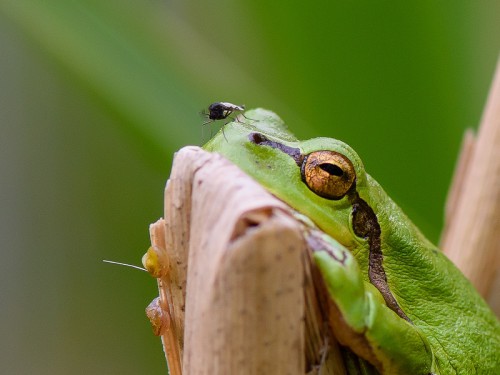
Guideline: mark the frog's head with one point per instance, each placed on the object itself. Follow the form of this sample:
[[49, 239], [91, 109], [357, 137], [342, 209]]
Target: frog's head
[[324, 179], [317, 177]]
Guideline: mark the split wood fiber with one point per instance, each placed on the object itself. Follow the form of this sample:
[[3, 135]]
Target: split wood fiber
[[236, 292]]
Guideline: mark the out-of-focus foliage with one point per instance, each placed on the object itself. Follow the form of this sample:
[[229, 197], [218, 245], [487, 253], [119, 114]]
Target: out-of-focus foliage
[[95, 96]]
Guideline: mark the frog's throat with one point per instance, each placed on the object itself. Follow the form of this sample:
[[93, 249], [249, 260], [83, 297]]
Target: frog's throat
[[364, 221]]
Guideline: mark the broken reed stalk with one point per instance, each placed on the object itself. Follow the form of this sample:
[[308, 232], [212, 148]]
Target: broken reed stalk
[[250, 303], [471, 238]]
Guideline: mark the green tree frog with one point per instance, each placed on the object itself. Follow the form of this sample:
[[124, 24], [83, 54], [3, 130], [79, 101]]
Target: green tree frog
[[403, 306]]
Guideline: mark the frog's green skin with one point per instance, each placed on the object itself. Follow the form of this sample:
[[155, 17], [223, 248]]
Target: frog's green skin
[[443, 325]]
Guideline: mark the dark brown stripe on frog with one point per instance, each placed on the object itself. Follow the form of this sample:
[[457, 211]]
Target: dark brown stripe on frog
[[365, 224], [262, 140]]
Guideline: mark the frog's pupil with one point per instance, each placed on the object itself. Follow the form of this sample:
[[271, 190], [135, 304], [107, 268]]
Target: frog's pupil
[[332, 169]]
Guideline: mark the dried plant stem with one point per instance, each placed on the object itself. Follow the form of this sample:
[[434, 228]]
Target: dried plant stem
[[250, 301], [472, 234]]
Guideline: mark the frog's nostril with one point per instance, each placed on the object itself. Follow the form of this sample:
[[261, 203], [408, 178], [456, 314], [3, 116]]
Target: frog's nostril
[[257, 138]]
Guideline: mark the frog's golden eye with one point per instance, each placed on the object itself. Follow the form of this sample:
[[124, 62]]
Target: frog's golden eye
[[328, 174]]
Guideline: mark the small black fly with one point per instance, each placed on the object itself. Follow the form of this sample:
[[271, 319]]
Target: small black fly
[[221, 111]]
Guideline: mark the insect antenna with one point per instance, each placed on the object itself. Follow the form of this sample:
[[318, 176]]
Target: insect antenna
[[203, 113]]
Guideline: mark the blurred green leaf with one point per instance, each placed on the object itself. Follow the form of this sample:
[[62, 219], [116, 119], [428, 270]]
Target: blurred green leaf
[[399, 82]]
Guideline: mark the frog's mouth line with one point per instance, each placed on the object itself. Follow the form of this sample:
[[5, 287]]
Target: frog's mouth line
[[364, 221]]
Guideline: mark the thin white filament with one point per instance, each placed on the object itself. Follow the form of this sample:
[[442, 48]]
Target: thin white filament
[[124, 264]]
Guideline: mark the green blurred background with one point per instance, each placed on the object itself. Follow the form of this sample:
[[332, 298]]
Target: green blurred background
[[97, 95]]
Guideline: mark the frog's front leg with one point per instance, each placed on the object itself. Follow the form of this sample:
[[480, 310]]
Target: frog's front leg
[[360, 317]]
